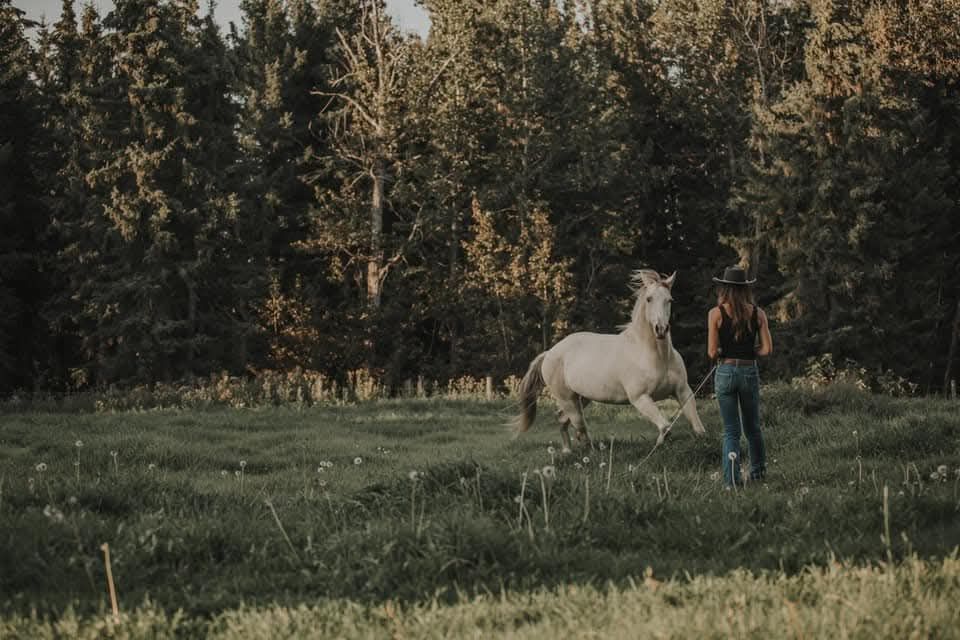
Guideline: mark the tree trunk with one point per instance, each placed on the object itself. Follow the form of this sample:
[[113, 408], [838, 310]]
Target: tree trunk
[[375, 263], [952, 352]]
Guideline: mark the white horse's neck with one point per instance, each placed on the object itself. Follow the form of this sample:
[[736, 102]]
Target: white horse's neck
[[643, 333]]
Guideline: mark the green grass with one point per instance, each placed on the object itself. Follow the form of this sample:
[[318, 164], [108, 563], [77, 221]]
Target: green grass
[[185, 536]]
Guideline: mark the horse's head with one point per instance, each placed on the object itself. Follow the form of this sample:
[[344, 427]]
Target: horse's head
[[653, 300]]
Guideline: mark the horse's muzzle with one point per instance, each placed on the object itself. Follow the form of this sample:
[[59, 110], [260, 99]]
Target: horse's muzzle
[[662, 331]]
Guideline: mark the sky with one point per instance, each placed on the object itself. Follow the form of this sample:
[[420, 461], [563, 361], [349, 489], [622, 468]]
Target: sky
[[406, 14]]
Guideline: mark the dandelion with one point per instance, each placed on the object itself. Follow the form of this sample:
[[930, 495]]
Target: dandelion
[[715, 476], [243, 463], [223, 473], [549, 472], [602, 464], [41, 467], [577, 465], [321, 469], [551, 450], [237, 474], [942, 470], [72, 501], [413, 475], [151, 467], [732, 456], [586, 459], [935, 476], [322, 483], [602, 446], [52, 513], [358, 461], [79, 444], [517, 499]]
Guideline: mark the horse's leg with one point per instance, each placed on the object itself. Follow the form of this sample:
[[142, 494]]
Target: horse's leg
[[689, 403], [567, 408], [648, 408], [582, 436]]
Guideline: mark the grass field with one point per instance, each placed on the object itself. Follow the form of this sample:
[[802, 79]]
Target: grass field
[[405, 518]]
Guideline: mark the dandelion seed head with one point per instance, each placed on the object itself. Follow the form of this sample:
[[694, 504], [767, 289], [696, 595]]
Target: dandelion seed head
[[321, 469], [586, 459], [577, 465], [602, 464], [151, 466], [551, 450], [237, 473], [114, 453], [549, 472], [223, 472], [243, 463], [42, 467], [732, 456], [942, 470], [413, 475], [516, 499], [715, 476], [934, 476], [602, 446], [322, 483], [358, 461]]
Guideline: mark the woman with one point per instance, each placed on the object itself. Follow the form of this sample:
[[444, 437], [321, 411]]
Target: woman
[[733, 327]]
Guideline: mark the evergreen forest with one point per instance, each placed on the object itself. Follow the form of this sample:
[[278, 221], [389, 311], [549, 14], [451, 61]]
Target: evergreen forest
[[314, 190]]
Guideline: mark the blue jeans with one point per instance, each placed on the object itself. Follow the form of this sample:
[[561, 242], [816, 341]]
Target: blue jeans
[[738, 393]]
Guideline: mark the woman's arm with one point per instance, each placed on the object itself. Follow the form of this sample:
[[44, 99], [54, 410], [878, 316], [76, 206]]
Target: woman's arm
[[713, 333], [766, 342]]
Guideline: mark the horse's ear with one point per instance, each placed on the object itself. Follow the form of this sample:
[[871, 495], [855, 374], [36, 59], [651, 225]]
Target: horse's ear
[[668, 282], [646, 277]]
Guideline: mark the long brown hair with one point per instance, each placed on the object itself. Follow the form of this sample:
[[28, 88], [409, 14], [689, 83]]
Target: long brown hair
[[739, 298]]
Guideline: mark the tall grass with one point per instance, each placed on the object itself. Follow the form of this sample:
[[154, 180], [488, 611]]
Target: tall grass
[[188, 537]]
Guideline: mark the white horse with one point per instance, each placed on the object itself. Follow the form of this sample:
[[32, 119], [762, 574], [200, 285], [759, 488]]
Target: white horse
[[637, 366]]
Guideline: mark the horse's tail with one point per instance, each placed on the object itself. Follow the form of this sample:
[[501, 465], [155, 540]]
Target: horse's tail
[[530, 388]]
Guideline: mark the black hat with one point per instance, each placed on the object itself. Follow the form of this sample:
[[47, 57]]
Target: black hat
[[735, 276]]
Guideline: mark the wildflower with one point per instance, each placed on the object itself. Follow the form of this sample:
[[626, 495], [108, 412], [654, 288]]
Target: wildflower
[[732, 456], [935, 476], [243, 463], [551, 450], [413, 475], [804, 491], [53, 513], [151, 467], [79, 443], [321, 468], [577, 465], [516, 499], [942, 470], [602, 464], [322, 483], [237, 473], [223, 472], [358, 461], [42, 467], [549, 472], [715, 476], [586, 459], [854, 432]]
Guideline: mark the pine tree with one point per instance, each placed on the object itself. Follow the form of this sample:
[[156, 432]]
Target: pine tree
[[22, 214]]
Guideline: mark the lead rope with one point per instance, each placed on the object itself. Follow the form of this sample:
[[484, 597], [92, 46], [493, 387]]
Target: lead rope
[[677, 416]]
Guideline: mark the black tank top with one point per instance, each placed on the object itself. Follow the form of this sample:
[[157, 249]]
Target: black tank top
[[744, 348]]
